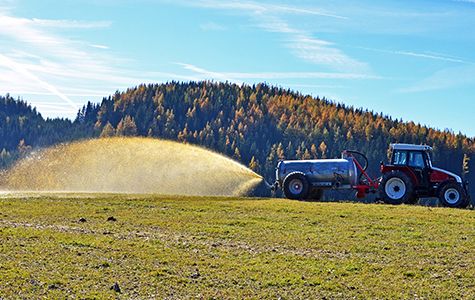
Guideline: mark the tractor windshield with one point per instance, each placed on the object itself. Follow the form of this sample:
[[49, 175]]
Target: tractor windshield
[[416, 159]]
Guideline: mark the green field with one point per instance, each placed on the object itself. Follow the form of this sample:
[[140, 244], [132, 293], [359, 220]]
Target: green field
[[201, 247]]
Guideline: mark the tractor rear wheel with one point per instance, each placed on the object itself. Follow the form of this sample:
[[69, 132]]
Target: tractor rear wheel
[[296, 186], [396, 188], [453, 195]]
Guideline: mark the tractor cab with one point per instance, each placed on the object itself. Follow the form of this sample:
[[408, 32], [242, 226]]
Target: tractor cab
[[418, 156], [415, 159]]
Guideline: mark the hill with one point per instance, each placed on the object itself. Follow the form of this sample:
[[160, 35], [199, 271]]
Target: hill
[[23, 128], [256, 125], [56, 246]]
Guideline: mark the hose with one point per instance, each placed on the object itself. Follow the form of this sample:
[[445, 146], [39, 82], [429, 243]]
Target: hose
[[365, 166], [362, 155]]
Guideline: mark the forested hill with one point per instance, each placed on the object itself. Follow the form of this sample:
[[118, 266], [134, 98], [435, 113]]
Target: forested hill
[[22, 127], [257, 125]]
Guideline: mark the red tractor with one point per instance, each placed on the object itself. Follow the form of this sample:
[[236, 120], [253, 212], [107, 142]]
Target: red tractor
[[411, 175], [408, 177]]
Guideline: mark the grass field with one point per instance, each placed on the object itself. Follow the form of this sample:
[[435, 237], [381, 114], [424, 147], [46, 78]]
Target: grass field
[[176, 247]]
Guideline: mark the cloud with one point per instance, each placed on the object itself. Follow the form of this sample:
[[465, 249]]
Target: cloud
[[99, 46], [465, 1], [20, 69], [34, 60], [212, 26], [301, 43], [289, 9], [444, 79], [324, 53], [69, 23], [306, 47], [261, 8], [426, 55], [243, 76], [430, 56]]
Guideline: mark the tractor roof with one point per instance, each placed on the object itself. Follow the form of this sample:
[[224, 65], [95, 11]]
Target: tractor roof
[[411, 147]]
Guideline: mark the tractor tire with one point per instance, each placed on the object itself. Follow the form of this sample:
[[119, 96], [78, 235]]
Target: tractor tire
[[296, 186], [452, 194], [315, 195], [396, 188]]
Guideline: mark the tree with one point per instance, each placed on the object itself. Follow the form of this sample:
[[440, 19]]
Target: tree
[[108, 130], [280, 152], [323, 149], [5, 158], [254, 164], [306, 154], [127, 127], [313, 151], [237, 154], [23, 148]]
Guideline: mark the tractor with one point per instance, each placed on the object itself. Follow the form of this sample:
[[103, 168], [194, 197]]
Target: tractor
[[409, 176]]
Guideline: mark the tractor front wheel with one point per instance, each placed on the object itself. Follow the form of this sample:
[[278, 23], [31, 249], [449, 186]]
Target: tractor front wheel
[[453, 195], [396, 188]]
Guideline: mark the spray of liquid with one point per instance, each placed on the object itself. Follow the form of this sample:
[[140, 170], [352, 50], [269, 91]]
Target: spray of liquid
[[131, 165]]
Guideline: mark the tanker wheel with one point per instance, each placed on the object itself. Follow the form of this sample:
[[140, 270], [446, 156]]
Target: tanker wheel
[[396, 188], [315, 195], [296, 186], [453, 195]]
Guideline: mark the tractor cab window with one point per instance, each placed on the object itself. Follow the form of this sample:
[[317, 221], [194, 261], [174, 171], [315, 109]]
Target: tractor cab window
[[399, 157], [416, 159]]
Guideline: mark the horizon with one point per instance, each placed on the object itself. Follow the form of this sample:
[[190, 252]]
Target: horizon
[[408, 60]]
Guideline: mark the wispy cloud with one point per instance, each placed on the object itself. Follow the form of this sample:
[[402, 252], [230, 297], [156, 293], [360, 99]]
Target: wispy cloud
[[261, 8], [444, 79], [212, 26], [36, 60], [48, 60], [20, 69], [301, 43], [99, 46], [68, 23], [322, 52], [465, 1], [430, 56], [243, 76], [426, 55]]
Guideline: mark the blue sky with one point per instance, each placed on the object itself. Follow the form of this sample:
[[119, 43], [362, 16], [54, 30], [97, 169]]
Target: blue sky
[[413, 60]]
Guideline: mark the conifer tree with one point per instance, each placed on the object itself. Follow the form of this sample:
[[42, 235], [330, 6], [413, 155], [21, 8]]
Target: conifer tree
[[108, 130], [254, 164], [323, 149], [127, 127]]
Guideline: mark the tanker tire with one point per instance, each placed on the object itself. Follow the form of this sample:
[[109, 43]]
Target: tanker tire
[[296, 186], [396, 188], [453, 195], [315, 195]]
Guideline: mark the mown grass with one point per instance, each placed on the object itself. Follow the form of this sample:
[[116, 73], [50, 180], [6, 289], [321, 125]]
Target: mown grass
[[198, 247]]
